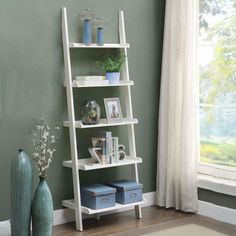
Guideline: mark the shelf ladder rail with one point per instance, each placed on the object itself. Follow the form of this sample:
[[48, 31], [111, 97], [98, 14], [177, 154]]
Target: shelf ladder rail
[[71, 116], [129, 111]]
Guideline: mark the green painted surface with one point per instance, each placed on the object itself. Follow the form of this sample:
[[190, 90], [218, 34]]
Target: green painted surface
[[31, 75], [217, 198]]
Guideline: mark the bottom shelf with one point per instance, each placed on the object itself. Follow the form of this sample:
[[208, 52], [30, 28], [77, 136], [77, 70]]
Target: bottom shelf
[[70, 204]]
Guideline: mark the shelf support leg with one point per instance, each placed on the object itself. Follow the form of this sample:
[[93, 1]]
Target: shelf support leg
[[129, 112], [72, 129]]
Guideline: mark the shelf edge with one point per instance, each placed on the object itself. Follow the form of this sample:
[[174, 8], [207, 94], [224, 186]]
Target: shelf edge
[[70, 204]]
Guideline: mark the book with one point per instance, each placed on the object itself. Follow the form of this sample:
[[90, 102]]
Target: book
[[108, 144], [90, 78], [87, 82], [114, 149], [107, 136]]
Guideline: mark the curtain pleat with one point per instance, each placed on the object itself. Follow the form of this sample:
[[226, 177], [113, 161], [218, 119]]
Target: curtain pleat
[[178, 136]]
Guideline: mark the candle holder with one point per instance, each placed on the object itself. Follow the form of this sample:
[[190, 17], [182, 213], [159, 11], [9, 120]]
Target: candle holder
[[87, 16]]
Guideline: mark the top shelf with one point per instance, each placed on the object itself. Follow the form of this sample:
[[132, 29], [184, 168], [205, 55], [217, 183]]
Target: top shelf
[[93, 45]]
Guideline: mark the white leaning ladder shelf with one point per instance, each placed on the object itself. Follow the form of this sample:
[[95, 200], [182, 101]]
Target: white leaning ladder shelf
[[78, 165]]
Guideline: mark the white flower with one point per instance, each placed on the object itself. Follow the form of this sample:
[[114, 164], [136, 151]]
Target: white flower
[[45, 134], [43, 145], [35, 154], [37, 127], [53, 138]]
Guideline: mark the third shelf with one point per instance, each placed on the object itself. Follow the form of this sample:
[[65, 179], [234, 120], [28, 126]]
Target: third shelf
[[86, 164]]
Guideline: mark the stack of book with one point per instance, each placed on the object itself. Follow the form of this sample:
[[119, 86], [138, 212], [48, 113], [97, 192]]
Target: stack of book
[[107, 147], [91, 80]]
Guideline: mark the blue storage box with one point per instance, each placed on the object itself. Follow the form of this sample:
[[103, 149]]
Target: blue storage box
[[127, 191], [98, 196]]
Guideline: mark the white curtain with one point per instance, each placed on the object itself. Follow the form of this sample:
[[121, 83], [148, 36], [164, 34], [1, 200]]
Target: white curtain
[[178, 142]]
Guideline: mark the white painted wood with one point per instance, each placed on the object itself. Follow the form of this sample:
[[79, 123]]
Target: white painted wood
[[5, 228], [76, 84], [75, 163], [128, 101], [71, 116], [215, 212], [63, 216], [70, 204], [217, 171], [218, 185], [93, 45], [102, 123], [85, 164]]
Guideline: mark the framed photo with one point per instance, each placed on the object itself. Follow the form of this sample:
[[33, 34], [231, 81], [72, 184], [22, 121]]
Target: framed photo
[[113, 110]]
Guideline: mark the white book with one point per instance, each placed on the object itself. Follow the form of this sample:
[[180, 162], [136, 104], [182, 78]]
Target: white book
[[90, 78], [102, 82]]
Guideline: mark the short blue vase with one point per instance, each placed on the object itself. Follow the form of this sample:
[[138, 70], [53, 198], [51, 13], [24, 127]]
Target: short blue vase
[[87, 34], [21, 194], [100, 36], [42, 210]]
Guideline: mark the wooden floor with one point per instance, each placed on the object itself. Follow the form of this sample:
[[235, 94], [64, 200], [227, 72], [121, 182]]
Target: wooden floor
[[125, 223], [121, 222]]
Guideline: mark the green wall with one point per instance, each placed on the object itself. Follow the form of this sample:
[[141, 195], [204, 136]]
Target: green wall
[[31, 75], [32, 71]]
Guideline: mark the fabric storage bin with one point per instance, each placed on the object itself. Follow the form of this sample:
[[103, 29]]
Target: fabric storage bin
[[127, 191], [97, 196]]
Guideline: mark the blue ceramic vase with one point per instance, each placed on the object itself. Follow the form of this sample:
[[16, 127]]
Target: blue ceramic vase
[[21, 194], [42, 210]]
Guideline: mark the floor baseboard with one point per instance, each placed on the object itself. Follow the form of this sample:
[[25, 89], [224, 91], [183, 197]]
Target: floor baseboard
[[216, 212], [63, 216]]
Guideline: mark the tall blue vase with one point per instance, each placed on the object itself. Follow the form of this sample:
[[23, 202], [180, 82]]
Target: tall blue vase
[[42, 210], [21, 194], [87, 34]]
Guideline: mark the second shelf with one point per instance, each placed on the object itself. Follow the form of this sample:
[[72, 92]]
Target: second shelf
[[76, 84], [102, 123]]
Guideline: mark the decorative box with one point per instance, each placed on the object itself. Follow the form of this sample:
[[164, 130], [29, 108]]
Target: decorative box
[[97, 196], [127, 191]]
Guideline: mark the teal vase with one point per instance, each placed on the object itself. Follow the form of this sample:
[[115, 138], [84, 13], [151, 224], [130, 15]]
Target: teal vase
[[21, 194], [42, 210]]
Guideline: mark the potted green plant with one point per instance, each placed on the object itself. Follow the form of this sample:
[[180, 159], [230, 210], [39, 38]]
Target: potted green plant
[[112, 65]]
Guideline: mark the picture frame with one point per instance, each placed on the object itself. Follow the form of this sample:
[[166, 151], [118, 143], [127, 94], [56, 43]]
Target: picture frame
[[113, 110]]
